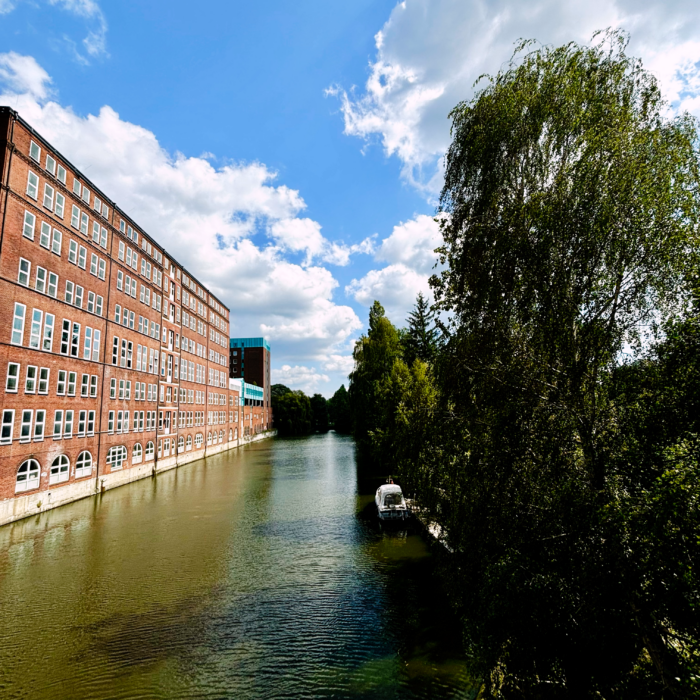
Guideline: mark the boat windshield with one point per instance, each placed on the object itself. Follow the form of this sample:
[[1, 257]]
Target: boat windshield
[[392, 499]]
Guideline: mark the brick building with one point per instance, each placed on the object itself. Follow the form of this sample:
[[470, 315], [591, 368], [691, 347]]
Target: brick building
[[115, 359]]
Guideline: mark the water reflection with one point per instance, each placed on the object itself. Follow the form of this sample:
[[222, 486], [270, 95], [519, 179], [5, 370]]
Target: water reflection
[[249, 575]]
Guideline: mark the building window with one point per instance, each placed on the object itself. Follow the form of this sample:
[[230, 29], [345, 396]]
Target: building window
[[180, 444], [35, 328], [48, 196], [27, 476], [45, 237], [76, 187], [40, 420], [62, 174], [86, 195], [116, 457], [34, 151], [50, 164], [25, 434], [30, 380], [18, 324], [75, 217], [40, 280], [84, 223], [137, 454], [60, 204], [60, 470], [57, 424], [61, 383], [12, 377], [56, 244], [29, 224], [33, 185], [83, 465], [44, 380], [198, 440], [52, 289], [82, 257], [24, 270], [189, 442]]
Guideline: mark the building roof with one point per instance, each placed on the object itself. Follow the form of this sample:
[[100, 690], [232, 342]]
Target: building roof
[[249, 343]]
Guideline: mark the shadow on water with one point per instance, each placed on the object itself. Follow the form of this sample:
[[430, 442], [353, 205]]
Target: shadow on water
[[254, 574]]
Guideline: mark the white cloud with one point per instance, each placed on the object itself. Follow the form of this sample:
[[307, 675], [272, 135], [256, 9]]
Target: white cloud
[[395, 287], [299, 377], [413, 244], [409, 250], [23, 75], [6, 6], [206, 217], [430, 52]]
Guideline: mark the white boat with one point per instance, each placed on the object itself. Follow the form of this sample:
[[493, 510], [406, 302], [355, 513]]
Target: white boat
[[391, 505]]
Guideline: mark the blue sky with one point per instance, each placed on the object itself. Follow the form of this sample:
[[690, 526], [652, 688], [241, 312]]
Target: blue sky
[[289, 153]]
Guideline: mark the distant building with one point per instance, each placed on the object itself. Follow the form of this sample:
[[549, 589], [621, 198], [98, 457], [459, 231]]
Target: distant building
[[249, 359]]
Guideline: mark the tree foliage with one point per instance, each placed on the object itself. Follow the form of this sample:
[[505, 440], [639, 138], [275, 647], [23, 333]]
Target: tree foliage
[[374, 355], [565, 479], [339, 411], [420, 340], [319, 409], [292, 413]]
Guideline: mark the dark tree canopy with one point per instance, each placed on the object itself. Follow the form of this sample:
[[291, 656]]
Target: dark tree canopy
[[339, 411], [319, 409]]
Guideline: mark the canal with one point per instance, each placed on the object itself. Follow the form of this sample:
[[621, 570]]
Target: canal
[[254, 574]]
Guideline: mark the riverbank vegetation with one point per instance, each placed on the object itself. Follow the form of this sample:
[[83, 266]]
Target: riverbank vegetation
[[297, 414], [545, 409]]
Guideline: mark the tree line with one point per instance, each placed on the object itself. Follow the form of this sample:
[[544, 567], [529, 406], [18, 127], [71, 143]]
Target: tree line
[[295, 413], [545, 409]]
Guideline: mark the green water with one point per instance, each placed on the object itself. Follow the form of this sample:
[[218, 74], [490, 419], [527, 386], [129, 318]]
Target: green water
[[253, 574]]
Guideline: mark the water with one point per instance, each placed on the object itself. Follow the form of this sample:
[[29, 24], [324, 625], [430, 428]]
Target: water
[[254, 574]]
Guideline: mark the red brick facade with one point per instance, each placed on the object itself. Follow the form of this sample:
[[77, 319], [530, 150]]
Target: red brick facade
[[112, 356]]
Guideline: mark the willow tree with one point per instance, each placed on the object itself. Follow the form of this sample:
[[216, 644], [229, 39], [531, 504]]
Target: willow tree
[[571, 206]]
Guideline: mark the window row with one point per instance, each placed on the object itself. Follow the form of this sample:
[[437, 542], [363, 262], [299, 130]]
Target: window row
[[36, 381], [217, 378], [32, 424], [118, 421], [127, 318], [121, 389], [77, 255], [46, 282], [29, 472]]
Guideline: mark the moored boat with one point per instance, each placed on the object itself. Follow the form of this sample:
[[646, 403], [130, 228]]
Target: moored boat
[[391, 505]]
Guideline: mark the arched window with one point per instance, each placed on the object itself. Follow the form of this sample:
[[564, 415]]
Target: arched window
[[189, 442], [221, 435], [198, 440], [235, 433], [116, 457], [209, 438], [137, 454], [28, 476], [181, 444], [149, 450], [59, 470], [83, 465], [160, 449], [230, 434]]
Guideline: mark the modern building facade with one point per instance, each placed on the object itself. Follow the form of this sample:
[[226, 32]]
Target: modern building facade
[[249, 359], [114, 358]]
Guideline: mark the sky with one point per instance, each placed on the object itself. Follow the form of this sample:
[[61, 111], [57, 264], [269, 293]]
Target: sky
[[289, 153]]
